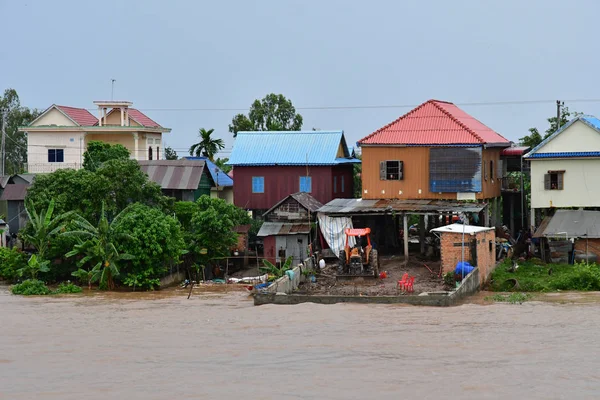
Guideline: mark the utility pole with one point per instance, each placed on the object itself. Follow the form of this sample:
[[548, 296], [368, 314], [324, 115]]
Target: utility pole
[[559, 104], [3, 145]]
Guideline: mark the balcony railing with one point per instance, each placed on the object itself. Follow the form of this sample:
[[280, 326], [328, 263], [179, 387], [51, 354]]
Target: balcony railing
[[44, 168], [511, 183]]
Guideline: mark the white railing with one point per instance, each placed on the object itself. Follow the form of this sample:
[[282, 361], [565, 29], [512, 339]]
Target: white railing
[[43, 168]]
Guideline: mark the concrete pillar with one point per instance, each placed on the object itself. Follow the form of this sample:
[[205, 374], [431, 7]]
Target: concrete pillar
[[127, 117], [512, 216], [405, 223], [122, 116], [486, 216], [135, 146], [532, 227], [99, 116], [104, 114], [494, 206], [422, 233]]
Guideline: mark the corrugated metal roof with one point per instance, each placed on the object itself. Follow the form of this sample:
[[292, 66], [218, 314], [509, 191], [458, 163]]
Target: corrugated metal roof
[[358, 206], [281, 228], [80, 115], [4, 181], [435, 123], [14, 192], [307, 201], [216, 173], [515, 151], [571, 154], [572, 223], [290, 148], [174, 174]]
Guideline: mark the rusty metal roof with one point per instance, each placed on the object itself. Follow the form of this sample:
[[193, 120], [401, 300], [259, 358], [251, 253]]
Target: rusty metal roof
[[174, 174], [303, 198], [242, 228], [281, 228], [14, 192], [360, 206]]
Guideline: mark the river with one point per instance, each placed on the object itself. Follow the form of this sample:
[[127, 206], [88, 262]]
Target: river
[[217, 345]]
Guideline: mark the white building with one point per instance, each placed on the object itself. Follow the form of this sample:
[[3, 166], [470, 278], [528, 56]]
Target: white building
[[59, 136], [565, 168]]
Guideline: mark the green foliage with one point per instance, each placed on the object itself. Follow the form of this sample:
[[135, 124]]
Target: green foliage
[[34, 266], [170, 153], [273, 113], [86, 276], [117, 183], [543, 278], [99, 152], [16, 142], [31, 287], [512, 298], [43, 227], [275, 271], [534, 138], [449, 278], [155, 241], [97, 246], [207, 146], [222, 164], [357, 170], [67, 288], [11, 261], [211, 227], [184, 211]]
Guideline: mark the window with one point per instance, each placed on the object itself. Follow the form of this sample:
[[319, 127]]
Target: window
[[391, 170], [150, 153], [335, 184], [342, 183], [491, 169], [554, 180], [305, 184], [258, 184], [484, 171], [56, 155], [157, 153]]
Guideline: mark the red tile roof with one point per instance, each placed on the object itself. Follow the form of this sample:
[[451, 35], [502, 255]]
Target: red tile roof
[[142, 118], [80, 115], [434, 123]]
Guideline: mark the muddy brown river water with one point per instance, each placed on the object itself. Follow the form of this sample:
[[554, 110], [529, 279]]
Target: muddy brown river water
[[219, 346]]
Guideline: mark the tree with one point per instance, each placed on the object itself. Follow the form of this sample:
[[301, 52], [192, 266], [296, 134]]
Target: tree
[[156, 242], [273, 113], [16, 142], [34, 266], [170, 153], [207, 146], [43, 227], [97, 246], [98, 153], [222, 164], [357, 172], [534, 138]]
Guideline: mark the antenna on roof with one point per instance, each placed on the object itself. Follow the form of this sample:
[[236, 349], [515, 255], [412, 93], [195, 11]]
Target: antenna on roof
[[112, 88]]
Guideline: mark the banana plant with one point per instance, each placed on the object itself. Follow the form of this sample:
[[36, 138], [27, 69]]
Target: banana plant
[[277, 272]]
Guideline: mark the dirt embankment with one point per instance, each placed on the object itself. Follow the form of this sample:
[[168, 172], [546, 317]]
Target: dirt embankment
[[425, 281]]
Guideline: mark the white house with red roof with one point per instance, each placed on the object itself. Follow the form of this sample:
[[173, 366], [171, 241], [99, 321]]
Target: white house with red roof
[[59, 136], [437, 152]]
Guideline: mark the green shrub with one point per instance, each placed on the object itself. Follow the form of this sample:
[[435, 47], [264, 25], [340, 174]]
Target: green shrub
[[11, 261], [582, 277], [69, 287], [449, 278], [31, 287]]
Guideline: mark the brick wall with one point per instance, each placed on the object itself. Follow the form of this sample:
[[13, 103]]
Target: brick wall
[[593, 246], [451, 252]]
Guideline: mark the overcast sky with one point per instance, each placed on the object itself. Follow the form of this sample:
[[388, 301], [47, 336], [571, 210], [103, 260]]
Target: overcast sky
[[319, 53]]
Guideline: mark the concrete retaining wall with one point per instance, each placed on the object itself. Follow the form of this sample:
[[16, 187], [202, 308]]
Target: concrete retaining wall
[[287, 286], [468, 286], [172, 279]]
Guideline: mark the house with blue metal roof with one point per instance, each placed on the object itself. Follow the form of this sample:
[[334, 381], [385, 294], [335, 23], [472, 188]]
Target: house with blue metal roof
[[223, 188], [269, 166], [565, 167]]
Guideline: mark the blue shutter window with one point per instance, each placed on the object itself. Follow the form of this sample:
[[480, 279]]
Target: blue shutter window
[[342, 183], [258, 184], [335, 185], [56, 155], [305, 184]]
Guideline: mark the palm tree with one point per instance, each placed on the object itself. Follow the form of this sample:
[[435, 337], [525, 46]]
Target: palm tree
[[42, 227], [207, 146], [97, 245]]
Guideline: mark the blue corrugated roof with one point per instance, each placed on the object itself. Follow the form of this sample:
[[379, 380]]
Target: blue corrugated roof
[[571, 154], [218, 176], [589, 120], [290, 148]]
